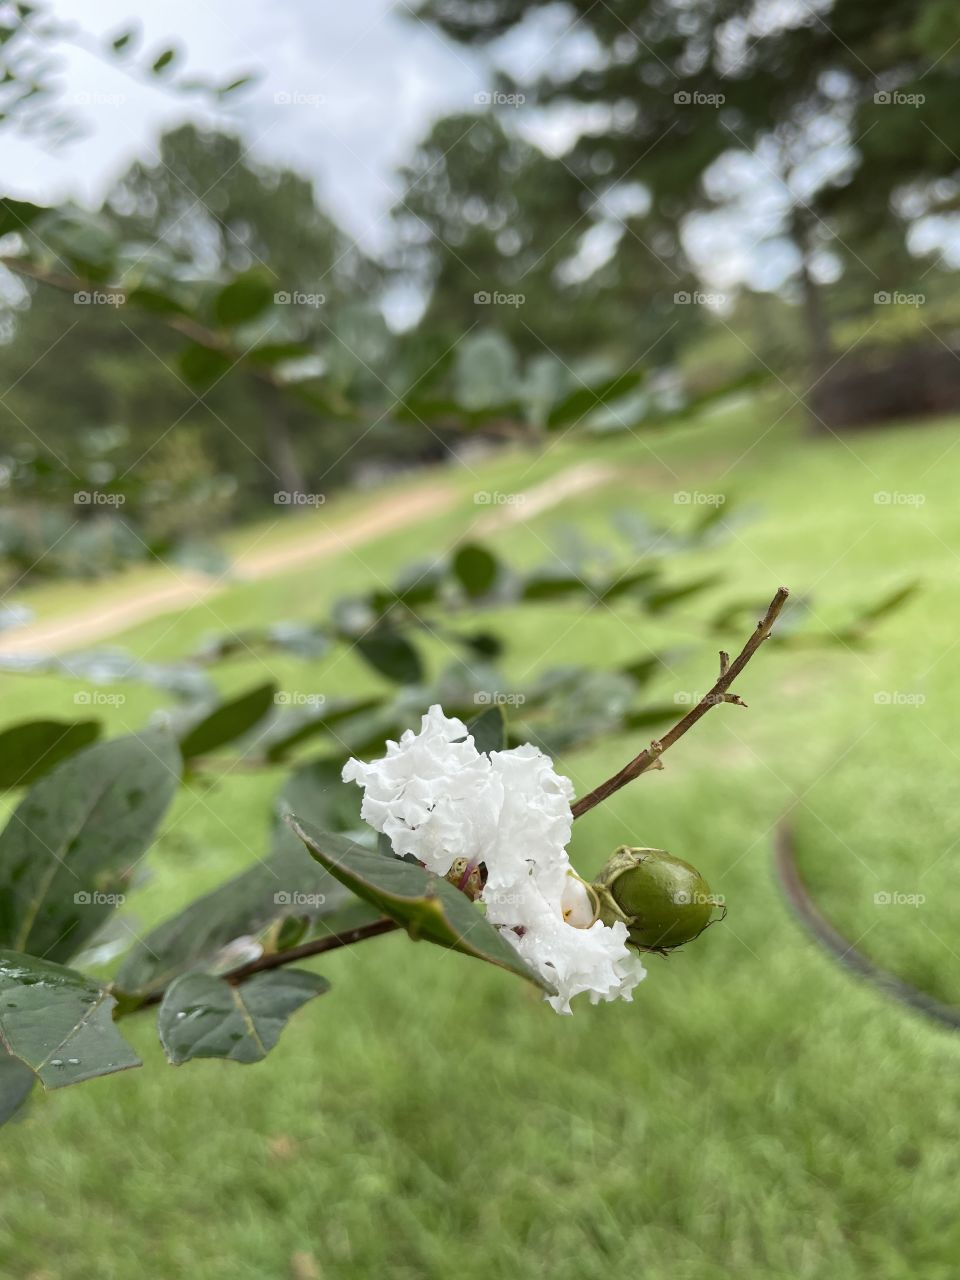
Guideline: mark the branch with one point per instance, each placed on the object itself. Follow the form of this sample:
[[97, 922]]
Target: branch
[[729, 671], [316, 947]]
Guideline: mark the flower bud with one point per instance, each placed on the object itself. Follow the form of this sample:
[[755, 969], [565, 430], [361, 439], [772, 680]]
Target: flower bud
[[467, 877], [663, 900]]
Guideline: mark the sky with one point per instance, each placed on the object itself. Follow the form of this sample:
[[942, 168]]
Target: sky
[[346, 90]]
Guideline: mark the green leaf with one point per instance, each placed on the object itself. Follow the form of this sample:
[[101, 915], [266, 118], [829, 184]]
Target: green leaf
[[392, 655], [58, 1022], [234, 85], [160, 64], [228, 721], [68, 850], [287, 885], [120, 42], [489, 730], [243, 299], [206, 1017], [16, 215], [585, 398], [427, 906], [16, 1081], [202, 366], [31, 749], [476, 569], [156, 301]]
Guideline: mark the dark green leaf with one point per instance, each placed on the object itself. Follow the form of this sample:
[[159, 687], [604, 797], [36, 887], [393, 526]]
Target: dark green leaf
[[243, 298], [276, 352], [489, 731], [392, 655], [156, 302], [16, 1081], [202, 366], [67, 853], [658, 600], [287, 885], [476, 569], [427, 906], [31, 749], [580, 402], [120, 42], [16, 215], [888, 604], [228, 721], [206, 1017], [58, 1022], [234, 85], [164, 60]]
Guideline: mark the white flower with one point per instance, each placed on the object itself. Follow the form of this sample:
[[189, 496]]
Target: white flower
[[437, 797], [433, 794]]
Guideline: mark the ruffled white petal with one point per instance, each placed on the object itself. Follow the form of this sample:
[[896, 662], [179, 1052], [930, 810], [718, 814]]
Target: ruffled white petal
[[438, 798]]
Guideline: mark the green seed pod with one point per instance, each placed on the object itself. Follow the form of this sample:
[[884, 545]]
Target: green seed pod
[[663, 900], [467, 878]]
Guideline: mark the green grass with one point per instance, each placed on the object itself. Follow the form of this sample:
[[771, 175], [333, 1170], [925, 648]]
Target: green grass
[[754, 1114]]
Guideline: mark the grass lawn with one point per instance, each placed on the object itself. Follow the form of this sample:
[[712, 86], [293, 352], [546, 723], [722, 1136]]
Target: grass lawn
[[755, 1114]]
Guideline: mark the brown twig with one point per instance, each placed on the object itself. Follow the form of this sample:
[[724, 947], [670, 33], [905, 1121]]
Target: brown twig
[[729, 671], [316, 947]]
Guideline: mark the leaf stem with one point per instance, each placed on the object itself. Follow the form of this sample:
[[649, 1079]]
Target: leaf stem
[[315, 947], [729, 671]]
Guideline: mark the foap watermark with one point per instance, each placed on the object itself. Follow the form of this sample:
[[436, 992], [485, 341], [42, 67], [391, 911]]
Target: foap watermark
[[696, 498], [494, 498], [684, 298], [886, 898], [97, 498], [897, 298], [684, 898], [100, 298], [484, 298], [897, 98], [94, 98], [294, 698], [298, 298], [498, 699], [894, 498], [294, 498], [98, 698], [294, 98], [95, 898], [694, 98], [297, 898], [898, 698], [688, 698], [495, 98]]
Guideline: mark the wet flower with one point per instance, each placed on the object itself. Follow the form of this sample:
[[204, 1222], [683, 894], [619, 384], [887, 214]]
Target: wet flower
[[437, 797]]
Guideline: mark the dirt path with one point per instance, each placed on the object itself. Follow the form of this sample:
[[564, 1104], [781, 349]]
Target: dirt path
[[384, 515]]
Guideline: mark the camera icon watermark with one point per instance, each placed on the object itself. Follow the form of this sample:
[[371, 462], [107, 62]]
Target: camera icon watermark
[[484, 298], [94, 898], [894, 498], [287, 498], [494, 498], [298, 298], [293, 98], [294, 698], [495, 698], [98, 698], [897, 698], [896, 98], [97, 498], [886, 898], [296, 898], [697, 498], [99, 298]]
